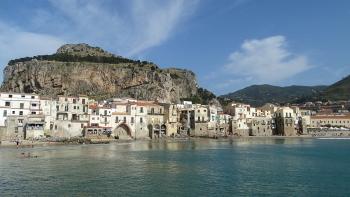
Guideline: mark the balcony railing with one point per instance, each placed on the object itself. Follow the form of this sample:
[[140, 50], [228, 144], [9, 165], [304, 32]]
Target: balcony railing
[[154, 113]]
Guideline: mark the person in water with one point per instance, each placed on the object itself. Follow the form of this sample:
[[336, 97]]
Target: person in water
[[23, 155]]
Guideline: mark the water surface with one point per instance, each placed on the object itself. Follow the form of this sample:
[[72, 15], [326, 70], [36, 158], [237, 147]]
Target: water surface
[[263, 166]]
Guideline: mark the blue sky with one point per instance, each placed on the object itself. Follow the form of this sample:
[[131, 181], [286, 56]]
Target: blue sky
[[229, 44]]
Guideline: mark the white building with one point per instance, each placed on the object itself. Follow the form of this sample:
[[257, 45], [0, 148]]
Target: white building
[[19, 105]]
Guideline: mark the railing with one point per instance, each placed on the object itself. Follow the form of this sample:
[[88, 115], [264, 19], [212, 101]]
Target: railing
[[150, 113]]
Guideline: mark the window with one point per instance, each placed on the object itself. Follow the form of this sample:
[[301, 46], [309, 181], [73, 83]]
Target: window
[[141, 120], [132, 119], [82, 126], [10, 95], [105, 112], [55, 127], [32, 97], [74, 101], [198, 111], [160, 111], [20, 120], [5, 113], [21, 113], [116, 119], [152, 110], [199, 118], [75, 107], [13, 112], [124, 119], [21, 105], [141, 110], [23, 96], [7, 103], [33, 104], [83, 101], [68, 125]]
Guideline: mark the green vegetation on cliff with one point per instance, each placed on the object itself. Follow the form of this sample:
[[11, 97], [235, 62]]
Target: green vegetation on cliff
[[203, 96], [65, 57]]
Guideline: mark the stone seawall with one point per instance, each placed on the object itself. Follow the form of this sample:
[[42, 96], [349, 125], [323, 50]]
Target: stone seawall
[[329, 133]]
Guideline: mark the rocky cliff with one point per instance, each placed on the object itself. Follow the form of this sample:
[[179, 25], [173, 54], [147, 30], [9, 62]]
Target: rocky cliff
[[81, 69]]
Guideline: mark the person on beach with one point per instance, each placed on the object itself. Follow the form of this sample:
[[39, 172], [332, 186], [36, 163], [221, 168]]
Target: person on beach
[[17, 143]]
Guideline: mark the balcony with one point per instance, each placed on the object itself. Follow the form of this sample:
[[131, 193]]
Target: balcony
[[155, 113]]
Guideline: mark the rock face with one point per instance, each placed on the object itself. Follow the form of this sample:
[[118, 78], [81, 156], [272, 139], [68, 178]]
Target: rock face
[[81, 69], [83, 50]]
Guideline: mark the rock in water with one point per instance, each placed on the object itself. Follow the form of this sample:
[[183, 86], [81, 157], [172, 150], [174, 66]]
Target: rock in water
[[81, 69]]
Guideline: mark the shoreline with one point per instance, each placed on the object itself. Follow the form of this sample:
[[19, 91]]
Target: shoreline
[[30, 144]]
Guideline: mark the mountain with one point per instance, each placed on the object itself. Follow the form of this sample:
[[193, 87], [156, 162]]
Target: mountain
[[77, 69], [338, 91], [257, 95]]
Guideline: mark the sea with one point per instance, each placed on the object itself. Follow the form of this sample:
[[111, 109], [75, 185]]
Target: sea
[[189, 167]]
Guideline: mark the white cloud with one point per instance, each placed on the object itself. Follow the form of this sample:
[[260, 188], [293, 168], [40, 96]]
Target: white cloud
[[129, 28], [15, 43], [266, 60]]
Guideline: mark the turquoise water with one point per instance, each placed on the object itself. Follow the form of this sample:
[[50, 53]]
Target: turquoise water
[[254, 167]]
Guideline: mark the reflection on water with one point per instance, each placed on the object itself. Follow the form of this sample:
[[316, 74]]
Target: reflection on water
[[224, 167]]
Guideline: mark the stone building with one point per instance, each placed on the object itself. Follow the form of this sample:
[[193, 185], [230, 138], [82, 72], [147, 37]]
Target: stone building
[[130, 118], [155, 119], [330, 120], [72, 116], [261, 126], [171, 119], [286, 122], [201, 119], [34, 126], [224, 124], [240, 126], [242, 115], [119, 118]]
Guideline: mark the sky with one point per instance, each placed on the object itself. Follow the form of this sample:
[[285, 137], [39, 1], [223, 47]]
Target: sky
[[229, 44]]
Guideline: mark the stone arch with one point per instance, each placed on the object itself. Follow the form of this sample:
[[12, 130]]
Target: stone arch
[[156, 130], [123, 131], [163, 130], [150, 131]]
